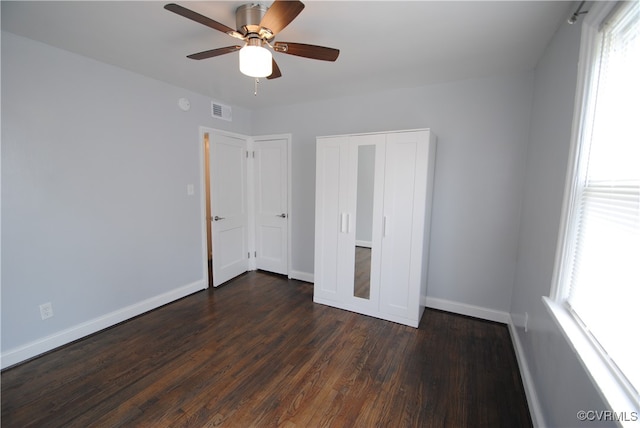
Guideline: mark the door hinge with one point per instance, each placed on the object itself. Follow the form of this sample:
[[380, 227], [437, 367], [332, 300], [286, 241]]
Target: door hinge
[[248, 255], [255, 254], [253, 154]]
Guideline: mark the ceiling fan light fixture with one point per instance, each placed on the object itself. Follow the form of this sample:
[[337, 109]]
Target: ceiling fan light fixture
[[257, 25], [255, 61]]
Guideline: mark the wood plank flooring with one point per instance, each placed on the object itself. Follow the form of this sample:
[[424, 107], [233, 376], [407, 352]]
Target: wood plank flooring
[[258, 352]]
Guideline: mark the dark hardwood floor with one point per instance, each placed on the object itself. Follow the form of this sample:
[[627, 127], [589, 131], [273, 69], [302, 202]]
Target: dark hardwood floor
[[259, 352]]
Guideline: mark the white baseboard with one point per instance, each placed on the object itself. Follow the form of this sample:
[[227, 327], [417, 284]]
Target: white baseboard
[[48, 343], [465, 309], [301, 276], [535, 409]]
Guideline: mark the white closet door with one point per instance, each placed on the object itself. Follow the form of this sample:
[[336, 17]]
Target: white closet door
[[271, 184], [332, 220], [228, 207], [403, 222]]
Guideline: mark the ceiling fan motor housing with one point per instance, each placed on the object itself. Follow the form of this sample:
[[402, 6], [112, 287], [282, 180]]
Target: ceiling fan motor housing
[[248, 17]]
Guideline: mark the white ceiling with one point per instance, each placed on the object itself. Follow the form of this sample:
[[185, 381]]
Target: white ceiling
[[383, 44]]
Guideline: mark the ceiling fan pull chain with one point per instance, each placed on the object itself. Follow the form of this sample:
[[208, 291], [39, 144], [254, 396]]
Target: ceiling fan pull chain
[[255, 89]]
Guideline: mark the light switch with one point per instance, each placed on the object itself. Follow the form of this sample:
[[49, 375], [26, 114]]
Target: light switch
[[190, 189]]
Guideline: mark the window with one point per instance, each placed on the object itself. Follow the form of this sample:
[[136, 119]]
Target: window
[[598, 273]]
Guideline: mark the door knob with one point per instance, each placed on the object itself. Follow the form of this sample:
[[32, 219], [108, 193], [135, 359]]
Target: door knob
[[216, 218], [283, 215]]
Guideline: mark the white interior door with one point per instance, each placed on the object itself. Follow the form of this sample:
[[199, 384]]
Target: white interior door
[[271, 205], [228, 207]]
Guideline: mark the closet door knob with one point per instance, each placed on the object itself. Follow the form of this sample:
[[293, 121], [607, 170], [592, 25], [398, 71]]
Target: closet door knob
[[216, 218], [283, 215]]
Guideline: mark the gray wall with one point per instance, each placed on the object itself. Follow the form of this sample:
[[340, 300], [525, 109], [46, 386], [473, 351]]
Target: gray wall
[[482, 127], [95, 213], [561, 385]]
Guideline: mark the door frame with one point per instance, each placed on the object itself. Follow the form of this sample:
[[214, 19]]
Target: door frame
[[251, 141]]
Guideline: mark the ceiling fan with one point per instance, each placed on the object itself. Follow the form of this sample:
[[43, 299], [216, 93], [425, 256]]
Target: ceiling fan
[[257, 26]]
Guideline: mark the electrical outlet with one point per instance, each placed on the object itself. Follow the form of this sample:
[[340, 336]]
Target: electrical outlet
[[46, 310]]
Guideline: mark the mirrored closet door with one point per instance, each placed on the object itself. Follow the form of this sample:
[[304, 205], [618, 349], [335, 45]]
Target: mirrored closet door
[[366, 257]]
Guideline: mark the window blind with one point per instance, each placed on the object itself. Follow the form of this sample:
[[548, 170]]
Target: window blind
[[604, 277]]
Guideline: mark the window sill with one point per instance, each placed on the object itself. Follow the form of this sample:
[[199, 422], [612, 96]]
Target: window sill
[[625, 410]]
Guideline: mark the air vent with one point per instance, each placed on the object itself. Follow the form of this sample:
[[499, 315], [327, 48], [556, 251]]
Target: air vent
[[220, 111]]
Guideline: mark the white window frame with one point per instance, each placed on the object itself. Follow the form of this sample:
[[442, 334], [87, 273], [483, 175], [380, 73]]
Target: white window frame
[[601, 372]]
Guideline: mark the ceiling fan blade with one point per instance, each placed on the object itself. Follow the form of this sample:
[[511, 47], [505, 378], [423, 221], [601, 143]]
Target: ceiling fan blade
[[275, 73], [214, 52], [280, 14], [308, 51], [194, 16]]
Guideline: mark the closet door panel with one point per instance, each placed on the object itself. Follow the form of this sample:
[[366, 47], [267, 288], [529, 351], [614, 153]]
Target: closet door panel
[[331, 218], [366, 177], [403, 218]]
